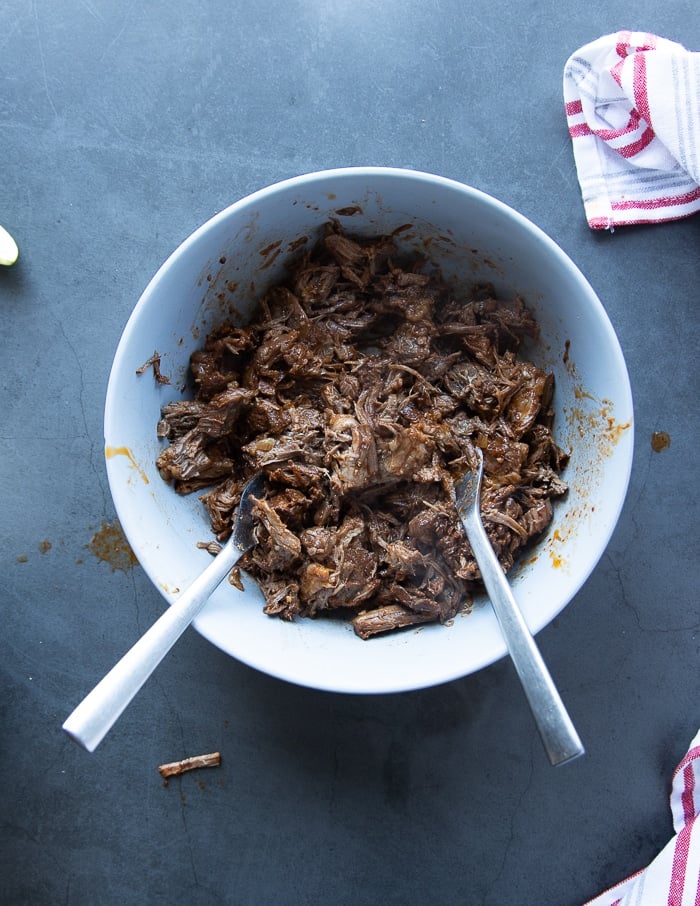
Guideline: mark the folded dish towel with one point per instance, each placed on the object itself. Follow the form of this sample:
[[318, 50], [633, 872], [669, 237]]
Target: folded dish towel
[[673, 878], [633, 110]]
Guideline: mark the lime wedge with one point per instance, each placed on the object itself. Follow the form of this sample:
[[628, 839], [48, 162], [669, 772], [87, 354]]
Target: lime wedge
[[8, 248]]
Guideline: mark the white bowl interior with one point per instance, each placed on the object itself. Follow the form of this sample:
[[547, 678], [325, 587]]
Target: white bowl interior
[[220, 271]]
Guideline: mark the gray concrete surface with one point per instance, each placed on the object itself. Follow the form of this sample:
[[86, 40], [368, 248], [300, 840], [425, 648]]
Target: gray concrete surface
[[122, 128]]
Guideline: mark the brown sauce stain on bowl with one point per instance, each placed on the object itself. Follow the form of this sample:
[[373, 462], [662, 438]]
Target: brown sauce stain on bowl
[[270, 252], [596, 421], [272, 247], [613, 430], [350, 211], [297, 243], [592, 421], [599, 424], [555, 556], [45, 546], [660, 440], [111, 452], [557, 561], [582, 394], [109, 544]]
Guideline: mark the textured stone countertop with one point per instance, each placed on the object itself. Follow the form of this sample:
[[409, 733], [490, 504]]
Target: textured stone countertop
[[123, 127]]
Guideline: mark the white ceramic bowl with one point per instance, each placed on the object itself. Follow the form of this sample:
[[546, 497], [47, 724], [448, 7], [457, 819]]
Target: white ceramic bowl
[[223, 266]]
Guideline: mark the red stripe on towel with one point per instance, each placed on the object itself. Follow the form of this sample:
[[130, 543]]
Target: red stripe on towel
[[639, 86], [579, 129], [652, 203], [609, 135], [680, 863], [635, 147], [687, 798], [690, 756]]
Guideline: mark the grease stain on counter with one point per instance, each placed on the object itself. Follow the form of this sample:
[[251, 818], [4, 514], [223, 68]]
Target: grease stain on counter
[[660, 440], [109, 544], [44, 546]]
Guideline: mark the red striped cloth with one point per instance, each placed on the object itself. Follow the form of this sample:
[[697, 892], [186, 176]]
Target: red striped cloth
[[673, 878], [633, 109]]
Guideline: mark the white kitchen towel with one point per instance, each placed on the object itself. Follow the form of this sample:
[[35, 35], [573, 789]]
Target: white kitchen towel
[[673, 878], [633, 109]]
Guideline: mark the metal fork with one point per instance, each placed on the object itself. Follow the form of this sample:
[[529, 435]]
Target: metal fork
[[97, 713], [561, 741]]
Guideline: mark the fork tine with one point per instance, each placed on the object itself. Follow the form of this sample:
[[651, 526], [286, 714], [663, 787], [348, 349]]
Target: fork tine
[[468, 488]]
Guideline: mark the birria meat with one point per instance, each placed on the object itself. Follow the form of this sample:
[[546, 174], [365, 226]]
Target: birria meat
[[361, 388]]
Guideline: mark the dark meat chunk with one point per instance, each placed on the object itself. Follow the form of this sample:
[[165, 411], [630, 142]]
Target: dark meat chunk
[[352, 454], [179, 417], [536, 519], [387, 619], [527, 401], [341, 568], [482, 391], [219, 417], [215, 419], [361, 389], [358, 262], [217, 365], [191, 462], [281, 595], [220, 502], [277, 546], [410, 344]]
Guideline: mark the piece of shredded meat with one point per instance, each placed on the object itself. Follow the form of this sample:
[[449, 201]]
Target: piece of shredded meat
[[360, 389]]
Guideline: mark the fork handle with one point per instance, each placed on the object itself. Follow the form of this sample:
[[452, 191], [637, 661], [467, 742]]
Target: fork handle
[[561, 741], [99, 710]]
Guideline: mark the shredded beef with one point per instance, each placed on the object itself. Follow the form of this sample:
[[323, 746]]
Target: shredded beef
[[360, 389]]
